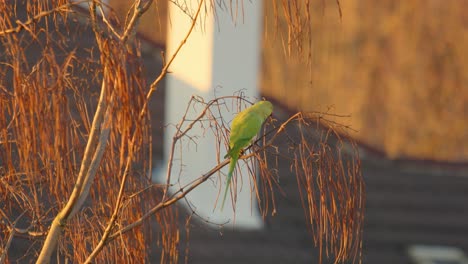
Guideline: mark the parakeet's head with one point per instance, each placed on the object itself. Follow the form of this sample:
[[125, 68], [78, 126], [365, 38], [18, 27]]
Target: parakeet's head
[[264, 107]]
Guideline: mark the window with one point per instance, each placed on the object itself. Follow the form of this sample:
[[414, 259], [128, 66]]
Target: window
[[424, 254]]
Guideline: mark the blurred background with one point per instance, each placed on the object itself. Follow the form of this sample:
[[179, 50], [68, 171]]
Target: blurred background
[[398, 73]]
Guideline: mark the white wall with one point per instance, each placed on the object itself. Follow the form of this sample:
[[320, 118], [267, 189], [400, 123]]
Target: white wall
[[223, 56]]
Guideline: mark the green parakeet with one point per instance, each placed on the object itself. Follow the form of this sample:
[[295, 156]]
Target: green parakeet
[[244, 127]]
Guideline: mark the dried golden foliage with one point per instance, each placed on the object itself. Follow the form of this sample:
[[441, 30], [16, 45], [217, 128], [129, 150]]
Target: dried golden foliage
[[49, 93], [329, 180]]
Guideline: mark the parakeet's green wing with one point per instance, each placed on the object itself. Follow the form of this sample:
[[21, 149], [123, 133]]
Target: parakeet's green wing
[[244, 128]]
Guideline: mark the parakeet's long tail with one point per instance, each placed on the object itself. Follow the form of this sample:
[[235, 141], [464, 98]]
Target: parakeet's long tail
[[232, 166]]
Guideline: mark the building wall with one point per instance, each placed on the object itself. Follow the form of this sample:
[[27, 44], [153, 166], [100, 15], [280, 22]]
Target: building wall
[[399, 68]]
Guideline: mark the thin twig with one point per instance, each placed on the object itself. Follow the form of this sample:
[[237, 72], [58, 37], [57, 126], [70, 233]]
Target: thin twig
[[36, 18], [109, 25], [184, 40], [10, 239], [137, 12]]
